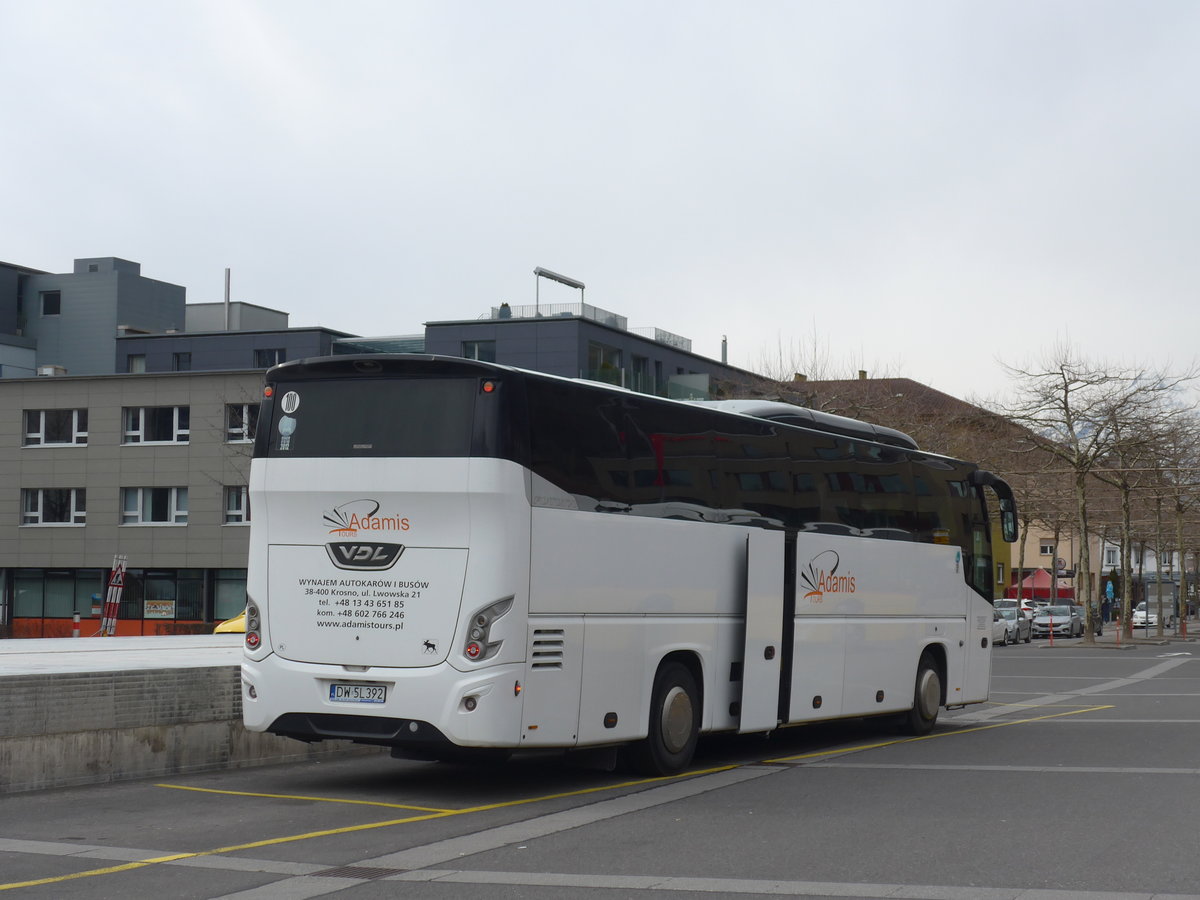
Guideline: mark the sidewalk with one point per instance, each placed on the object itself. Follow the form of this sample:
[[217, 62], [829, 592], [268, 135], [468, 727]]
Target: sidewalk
[[1113, 639], [39, 656]]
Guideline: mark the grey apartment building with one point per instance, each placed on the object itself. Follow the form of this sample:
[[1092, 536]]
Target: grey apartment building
[[153, 467]]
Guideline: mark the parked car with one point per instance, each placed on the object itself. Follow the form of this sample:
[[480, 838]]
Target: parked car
[[1000, 629], [1097, 620], [1064, 621], [1011, 604], [236, 625], [1030, 607], [1020, 627], [1146, 614]]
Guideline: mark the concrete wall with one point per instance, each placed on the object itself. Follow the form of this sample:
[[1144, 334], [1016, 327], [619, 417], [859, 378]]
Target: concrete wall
[[58, 730]]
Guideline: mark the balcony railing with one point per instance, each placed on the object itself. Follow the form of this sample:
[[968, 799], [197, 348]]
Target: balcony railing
[[664, 337], [561, 310]]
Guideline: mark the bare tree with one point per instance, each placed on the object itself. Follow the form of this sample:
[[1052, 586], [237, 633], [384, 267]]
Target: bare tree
[[801, 359], [1070, 403], [1178, 484], [1129, 466]]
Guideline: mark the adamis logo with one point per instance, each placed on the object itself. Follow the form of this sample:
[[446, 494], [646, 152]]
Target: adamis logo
[[821, 577], [362, 515]]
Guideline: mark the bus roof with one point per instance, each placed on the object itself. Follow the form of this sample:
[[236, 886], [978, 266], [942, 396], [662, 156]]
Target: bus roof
[[773, 411]]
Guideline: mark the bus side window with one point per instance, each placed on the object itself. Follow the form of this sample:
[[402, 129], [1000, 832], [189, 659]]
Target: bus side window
[[579, 447]]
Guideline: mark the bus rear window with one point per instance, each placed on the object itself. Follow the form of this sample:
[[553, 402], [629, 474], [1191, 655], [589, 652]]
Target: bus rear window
[[430, 417]]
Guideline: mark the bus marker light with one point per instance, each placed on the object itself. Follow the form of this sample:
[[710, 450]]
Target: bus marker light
[[473, 650], [610, 720], [516, 689], [252, 640], [469, 704], [268, 391], [489, 386]]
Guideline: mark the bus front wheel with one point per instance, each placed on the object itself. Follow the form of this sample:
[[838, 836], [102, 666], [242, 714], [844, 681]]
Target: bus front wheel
[[674, 723], [927, 697]]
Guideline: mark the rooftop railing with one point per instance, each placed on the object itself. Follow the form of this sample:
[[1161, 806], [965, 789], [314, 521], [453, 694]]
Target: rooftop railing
[[561, 310], [664, 337]]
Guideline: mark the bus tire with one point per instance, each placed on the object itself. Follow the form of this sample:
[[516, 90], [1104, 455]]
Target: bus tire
[[927, 697], [674, 725]]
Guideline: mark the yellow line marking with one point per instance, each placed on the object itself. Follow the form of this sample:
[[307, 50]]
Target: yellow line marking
[[930, 737], [443, 814], [200, 790], [349, 829]]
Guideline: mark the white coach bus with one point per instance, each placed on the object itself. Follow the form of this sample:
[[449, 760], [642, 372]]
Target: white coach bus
[[448, 554]]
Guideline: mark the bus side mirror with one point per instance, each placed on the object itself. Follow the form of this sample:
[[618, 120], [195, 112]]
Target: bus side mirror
[[1008, 520]]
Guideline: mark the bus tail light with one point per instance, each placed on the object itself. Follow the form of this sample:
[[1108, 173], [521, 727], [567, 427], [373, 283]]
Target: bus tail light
[[253, 627], [479, 644]]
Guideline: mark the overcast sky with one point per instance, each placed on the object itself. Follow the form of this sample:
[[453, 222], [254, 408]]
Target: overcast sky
[[922, 188]]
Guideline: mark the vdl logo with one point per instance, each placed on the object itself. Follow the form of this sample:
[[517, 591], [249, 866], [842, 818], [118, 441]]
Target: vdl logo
[[821, 578], [359, 556]]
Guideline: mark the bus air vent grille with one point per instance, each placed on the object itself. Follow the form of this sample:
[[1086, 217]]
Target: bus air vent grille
[[547, 648]]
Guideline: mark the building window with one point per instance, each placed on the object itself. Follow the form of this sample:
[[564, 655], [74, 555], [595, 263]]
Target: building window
[[229, 590], [156, 425], [264, 359], [135, 363], [53, 506], [93, 267], [51, 303], [56, 593], [237, 505], [241, 421], [640, 375], [1046, 549], [1112, 556], [604, 364], [484, 351], [154, 506], [181, 362], [999, 573], [59, 427]]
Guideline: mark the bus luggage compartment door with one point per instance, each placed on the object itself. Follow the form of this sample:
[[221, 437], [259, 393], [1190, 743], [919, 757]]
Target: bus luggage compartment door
[[764, 631]]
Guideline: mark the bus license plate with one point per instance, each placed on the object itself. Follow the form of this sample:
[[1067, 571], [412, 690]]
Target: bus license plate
[[358, 693]]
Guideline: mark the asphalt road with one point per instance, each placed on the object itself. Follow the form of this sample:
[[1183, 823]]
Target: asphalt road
[[1079, 779]]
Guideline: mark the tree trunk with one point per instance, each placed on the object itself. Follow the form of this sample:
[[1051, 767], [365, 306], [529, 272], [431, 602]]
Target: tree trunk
[[1083, 572]]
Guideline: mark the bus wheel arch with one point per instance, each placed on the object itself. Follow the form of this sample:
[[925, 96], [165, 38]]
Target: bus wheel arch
[[673, 725], [929, 691]]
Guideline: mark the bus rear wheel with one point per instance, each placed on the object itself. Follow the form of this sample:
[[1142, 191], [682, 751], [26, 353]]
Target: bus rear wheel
[[927, 697], [674, 725]]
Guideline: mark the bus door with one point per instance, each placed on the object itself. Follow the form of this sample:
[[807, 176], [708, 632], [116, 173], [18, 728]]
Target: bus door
[[764, 647]]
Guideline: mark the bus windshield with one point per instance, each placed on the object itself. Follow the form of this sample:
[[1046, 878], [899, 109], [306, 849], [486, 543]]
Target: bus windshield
[[430, 417]]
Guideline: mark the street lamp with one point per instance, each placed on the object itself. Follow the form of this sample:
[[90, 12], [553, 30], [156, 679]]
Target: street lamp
[[539, 272]]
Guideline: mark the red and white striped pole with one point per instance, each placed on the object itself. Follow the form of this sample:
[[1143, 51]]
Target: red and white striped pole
[[112, 602]]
